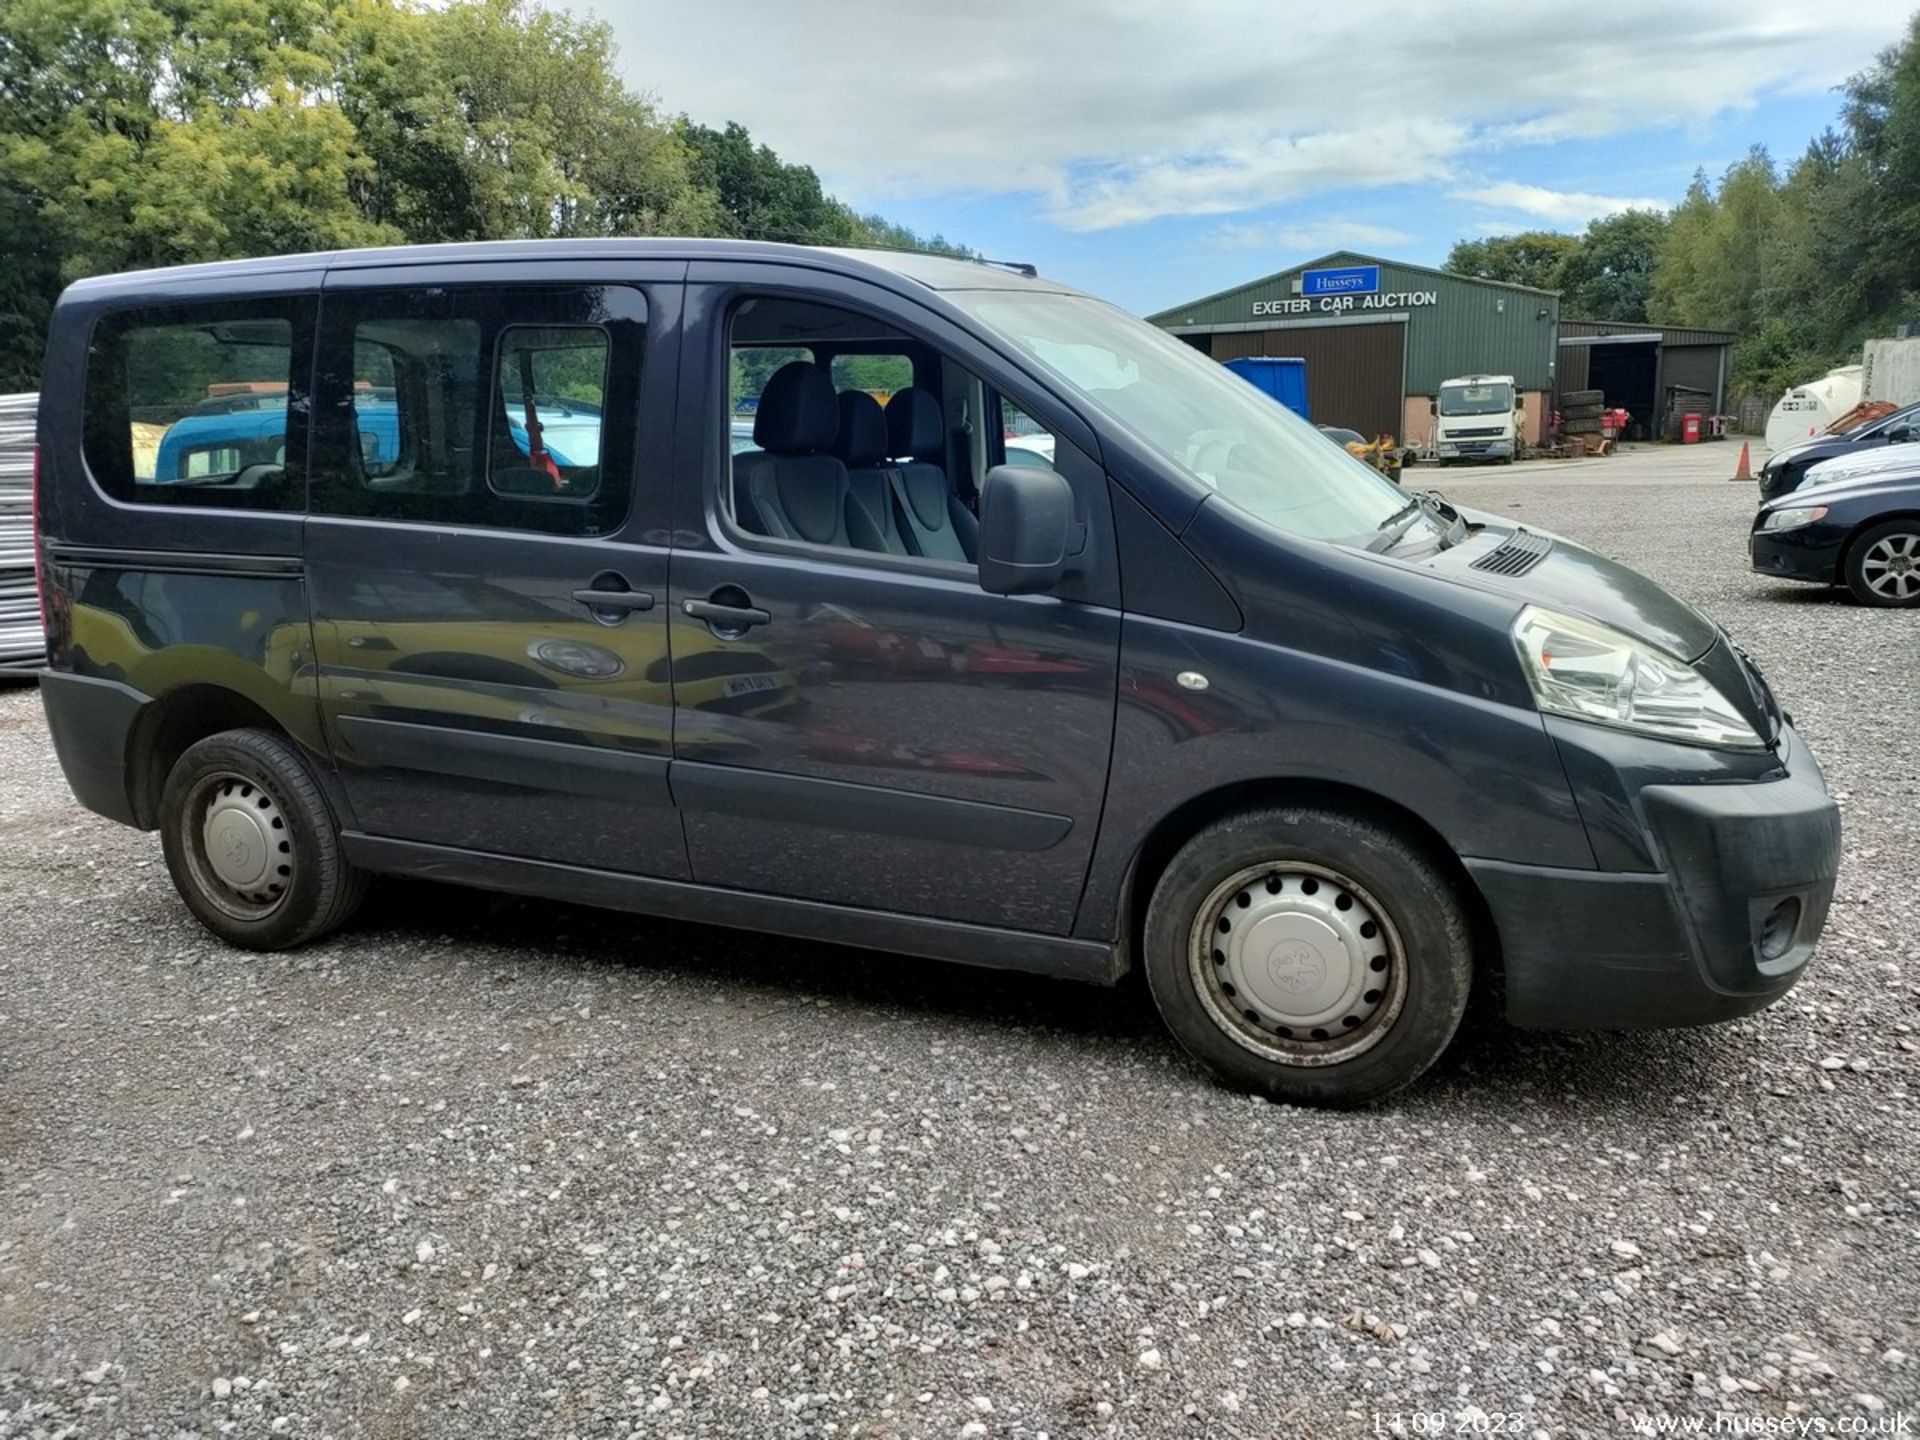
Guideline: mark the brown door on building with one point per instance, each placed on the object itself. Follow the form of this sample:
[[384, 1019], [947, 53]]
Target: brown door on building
[[1354, 372]]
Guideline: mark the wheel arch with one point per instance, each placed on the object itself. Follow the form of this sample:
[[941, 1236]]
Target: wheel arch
[[1180, 825], [172, 723]]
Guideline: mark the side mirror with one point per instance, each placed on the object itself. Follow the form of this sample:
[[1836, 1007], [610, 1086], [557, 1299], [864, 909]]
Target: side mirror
[[1520, 406], [1027, 530], [1433, 407]]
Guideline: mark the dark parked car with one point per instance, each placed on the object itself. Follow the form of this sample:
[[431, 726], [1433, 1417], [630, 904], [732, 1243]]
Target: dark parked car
[[1786, 469], [1205, 696], [1862, 532]]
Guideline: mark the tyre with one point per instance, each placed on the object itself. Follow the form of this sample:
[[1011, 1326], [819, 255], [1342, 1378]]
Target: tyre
[[252, 844], [1595, 398], [1582, 412], [1308, 955], [1883, 564], [1581, 427]]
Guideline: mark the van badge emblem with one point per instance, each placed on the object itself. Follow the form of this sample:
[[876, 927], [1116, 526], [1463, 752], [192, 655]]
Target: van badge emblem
[[1191, 680], [1296, 967]]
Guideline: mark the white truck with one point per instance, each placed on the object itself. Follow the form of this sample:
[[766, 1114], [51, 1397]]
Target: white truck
[[1477, 417]]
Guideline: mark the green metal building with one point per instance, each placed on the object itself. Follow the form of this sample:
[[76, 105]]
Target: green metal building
[[1379, 336]]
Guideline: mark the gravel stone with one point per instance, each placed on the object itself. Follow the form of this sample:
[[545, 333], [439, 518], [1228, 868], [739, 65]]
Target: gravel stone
[[523, 1169]]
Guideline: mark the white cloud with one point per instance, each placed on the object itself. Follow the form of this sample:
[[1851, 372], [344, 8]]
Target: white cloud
[[1113, 112], [1313, 235], [1250, 176], [1566, 208]]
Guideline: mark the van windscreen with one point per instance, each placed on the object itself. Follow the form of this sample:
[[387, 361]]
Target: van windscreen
[[1201, 417]]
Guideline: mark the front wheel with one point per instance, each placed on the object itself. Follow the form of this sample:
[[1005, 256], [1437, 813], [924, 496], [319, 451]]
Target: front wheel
[[1883, 565], [1308, 955]]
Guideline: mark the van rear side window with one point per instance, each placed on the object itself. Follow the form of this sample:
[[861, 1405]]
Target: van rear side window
[[480, 407], [189, 405]]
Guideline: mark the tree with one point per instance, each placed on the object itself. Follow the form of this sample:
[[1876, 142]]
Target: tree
[[764, 197], [151, 132], [1534, 258], [1608, 274]]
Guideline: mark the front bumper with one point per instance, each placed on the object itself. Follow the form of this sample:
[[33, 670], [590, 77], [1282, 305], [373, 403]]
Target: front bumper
[[1474, 449], [1723, 928], [1806, 552]]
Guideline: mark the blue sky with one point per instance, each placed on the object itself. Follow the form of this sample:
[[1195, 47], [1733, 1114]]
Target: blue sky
[[1153, 152]]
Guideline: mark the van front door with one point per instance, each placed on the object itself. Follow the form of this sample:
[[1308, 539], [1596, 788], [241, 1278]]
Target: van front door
[[929, 749], [486, 559]]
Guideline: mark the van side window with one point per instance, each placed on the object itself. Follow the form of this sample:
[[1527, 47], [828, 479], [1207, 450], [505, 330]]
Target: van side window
[[480, 407], [1023, 439], [189, 404], [838, 426]]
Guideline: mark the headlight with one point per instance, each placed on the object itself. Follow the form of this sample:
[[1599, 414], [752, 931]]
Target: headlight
[[1789, 519], [1589, 671]]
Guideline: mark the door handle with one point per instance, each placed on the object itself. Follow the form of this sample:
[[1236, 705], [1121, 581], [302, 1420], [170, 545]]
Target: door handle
[[726, 617], [615, 599]]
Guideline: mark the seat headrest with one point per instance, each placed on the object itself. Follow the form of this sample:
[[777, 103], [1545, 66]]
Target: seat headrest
[[914, 426], [797, 413], [862, 440]]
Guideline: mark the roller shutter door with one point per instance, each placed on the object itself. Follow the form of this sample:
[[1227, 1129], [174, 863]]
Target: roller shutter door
[[1354, 372]]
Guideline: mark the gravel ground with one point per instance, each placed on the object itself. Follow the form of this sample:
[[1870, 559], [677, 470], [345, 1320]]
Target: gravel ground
[[486, 1167]]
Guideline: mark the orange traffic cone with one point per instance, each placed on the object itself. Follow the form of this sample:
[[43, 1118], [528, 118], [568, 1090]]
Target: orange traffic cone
[[1745, 472]]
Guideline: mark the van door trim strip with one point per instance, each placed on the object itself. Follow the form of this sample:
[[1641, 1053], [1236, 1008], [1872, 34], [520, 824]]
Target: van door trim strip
[[184, 562], [515, 760], [1094, 961], [745, 793]]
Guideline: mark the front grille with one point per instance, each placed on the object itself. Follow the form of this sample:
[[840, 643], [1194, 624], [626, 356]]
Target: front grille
[[1515, 555], [1470, 434]]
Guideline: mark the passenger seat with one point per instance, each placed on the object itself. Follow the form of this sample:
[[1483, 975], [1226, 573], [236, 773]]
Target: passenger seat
[[790, 488], [862, 448], [937, 524]]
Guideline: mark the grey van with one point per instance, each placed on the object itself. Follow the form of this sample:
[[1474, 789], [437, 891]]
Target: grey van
[[695, 578]]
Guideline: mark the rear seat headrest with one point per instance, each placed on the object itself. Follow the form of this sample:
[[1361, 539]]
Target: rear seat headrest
[[914, 426], [797, 413], [862, 441]]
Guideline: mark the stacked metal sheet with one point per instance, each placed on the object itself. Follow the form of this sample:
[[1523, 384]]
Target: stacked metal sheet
[[21, 642]]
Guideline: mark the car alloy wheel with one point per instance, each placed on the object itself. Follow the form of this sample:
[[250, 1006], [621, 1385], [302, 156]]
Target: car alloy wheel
[[1890, 567]]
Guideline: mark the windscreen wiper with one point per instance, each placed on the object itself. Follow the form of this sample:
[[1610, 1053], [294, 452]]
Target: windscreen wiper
[[1397, 524], [1419, 503]]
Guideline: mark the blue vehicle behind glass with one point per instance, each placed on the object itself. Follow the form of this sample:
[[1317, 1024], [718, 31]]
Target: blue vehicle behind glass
[[222, 438]]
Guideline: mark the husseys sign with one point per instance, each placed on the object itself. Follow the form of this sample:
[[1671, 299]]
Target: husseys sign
[[1349, 287]]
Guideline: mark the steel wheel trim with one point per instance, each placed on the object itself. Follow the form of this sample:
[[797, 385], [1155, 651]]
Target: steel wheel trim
[[1891, 566], [1298, 963], [238, 845]]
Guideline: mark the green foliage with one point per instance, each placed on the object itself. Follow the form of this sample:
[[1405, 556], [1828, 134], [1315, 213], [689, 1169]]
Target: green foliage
[[154, 132], [1603, 274], [1610, 273], [879, 373], [1532, 258]]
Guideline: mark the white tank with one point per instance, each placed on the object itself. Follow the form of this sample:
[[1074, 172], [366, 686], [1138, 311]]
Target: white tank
[[1808, 409]]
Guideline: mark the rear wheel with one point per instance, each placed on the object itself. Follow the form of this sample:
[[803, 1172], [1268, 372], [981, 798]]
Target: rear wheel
[[1308, 955], [1883, 565], [252, 845]]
